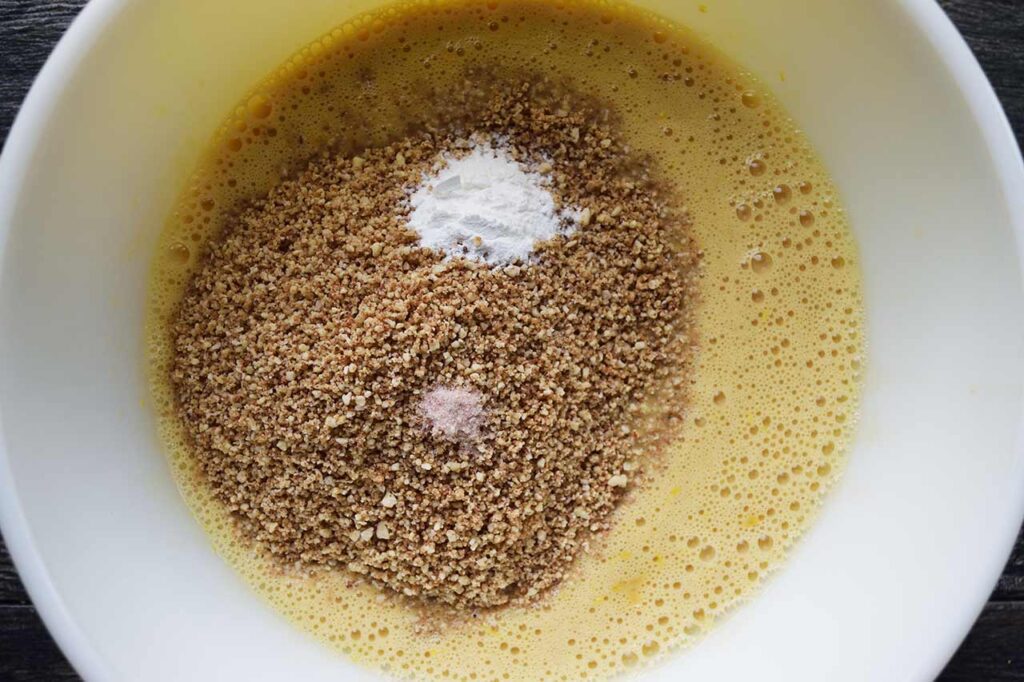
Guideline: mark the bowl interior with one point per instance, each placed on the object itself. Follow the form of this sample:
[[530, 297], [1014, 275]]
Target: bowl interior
[[884, 585]]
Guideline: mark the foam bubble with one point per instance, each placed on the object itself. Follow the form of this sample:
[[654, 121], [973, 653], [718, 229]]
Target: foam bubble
[[774, 396]]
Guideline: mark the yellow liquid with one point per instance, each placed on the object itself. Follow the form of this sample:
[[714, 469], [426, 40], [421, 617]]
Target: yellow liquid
[[776, 387]]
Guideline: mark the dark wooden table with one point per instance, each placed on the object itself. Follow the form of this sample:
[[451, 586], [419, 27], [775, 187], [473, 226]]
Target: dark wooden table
[[994, 650]]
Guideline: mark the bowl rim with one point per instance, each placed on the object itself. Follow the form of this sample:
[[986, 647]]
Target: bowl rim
[[89, 27]]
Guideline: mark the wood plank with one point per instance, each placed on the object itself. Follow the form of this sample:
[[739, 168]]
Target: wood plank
[[1011, 582], [994, 651], [995, 31], [11, 591], [28, 31], [27, 654]]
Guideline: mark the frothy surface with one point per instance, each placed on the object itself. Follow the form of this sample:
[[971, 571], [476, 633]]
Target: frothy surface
[[776, 389]]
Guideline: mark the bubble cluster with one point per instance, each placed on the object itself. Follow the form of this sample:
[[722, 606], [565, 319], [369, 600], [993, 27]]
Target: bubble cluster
[[774, 400]]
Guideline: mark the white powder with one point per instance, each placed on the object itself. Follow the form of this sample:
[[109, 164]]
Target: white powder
[[486, 206]]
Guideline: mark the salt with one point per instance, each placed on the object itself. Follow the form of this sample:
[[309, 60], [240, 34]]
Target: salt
[[455, 413], [487, 206]]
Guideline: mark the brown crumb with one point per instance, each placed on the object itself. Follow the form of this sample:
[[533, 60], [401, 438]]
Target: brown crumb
[[313, 341]]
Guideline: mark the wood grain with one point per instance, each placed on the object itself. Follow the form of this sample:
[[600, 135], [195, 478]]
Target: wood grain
[[11, 591], [995, 31], [994, 650], [1011, 582], [27, 654], [28, 31]]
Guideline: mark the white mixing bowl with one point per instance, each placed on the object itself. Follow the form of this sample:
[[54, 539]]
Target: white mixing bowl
[[884, 586]]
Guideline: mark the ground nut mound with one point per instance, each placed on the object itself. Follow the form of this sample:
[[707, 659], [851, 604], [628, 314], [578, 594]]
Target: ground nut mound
[[318, 338]]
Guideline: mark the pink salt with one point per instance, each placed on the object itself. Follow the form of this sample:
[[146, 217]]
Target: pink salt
[[456, 413]]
